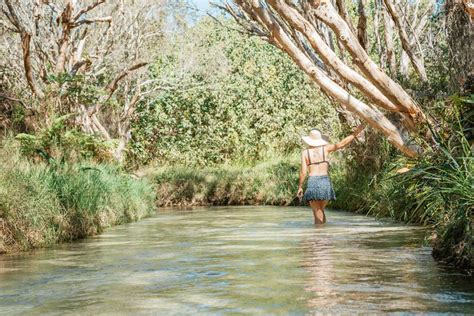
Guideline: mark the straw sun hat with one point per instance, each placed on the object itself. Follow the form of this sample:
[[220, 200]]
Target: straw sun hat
[[315, 138]]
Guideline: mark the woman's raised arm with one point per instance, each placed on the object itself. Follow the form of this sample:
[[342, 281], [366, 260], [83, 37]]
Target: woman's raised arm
[[346, 141]]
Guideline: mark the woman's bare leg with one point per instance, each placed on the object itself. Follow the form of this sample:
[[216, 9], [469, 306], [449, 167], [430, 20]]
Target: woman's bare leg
[[318, 212], [323, 205]]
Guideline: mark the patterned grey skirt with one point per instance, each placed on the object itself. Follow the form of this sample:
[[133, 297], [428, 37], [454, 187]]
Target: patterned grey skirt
[[319, 188]]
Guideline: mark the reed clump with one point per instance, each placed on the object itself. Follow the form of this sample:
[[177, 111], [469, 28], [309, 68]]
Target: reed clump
[[45, 203]]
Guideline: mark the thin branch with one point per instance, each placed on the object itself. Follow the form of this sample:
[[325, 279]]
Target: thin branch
[[362, 25], [106, 19], [87, 9], [112, 86], [25, 44], [7, 97], [226, 26], [341, 8]]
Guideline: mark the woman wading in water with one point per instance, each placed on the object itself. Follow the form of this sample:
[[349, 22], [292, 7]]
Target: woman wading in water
[[314, 161]]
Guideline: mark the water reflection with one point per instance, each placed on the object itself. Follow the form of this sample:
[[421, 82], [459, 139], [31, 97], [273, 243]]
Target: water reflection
[[319, 262]]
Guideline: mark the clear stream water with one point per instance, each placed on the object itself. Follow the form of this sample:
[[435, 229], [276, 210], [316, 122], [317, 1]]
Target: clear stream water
[[237, 260]]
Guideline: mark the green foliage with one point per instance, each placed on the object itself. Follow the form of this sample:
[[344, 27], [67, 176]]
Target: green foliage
[[442, 185], [239, 99], [43, 204], [58, 142], [443, 193], [80, 88]]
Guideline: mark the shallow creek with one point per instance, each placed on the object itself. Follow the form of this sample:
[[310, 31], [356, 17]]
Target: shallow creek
[[237, 260]]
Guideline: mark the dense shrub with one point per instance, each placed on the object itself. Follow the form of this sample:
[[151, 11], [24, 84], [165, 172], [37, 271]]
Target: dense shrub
[[58, 141], [238, 99]]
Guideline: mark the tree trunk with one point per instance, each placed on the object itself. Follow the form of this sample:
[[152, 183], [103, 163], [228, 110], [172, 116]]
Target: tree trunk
[[417, 26], [119, 151], [460, 27], [388, 37], [403, 64], [378, 42], [65, 20], [25, 44]]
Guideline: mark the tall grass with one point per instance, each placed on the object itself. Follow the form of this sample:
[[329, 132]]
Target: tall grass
[[443, 194], [273, 183], [42, 204], [441, 191]]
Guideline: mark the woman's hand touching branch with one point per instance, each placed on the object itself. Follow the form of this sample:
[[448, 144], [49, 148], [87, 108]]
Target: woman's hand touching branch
[[346, 141]]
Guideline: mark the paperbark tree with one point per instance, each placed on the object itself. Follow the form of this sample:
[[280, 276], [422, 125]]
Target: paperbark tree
[[285, 24], [389, 45], [378, 41], [414, 19], [25, 38], [71, 47]]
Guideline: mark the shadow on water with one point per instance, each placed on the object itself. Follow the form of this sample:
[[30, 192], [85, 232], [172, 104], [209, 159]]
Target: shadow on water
[[253, 260]]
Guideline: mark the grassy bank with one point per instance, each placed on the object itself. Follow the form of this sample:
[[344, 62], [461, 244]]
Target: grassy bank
[[42, 204], [271, 183]]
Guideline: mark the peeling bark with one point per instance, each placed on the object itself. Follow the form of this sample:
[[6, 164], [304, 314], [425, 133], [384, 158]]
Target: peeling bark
[[65, 21], [460, 29], [469, 8], [25, 44]]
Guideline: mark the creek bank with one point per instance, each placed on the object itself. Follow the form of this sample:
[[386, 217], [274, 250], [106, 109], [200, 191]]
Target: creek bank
[[41, 204]]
